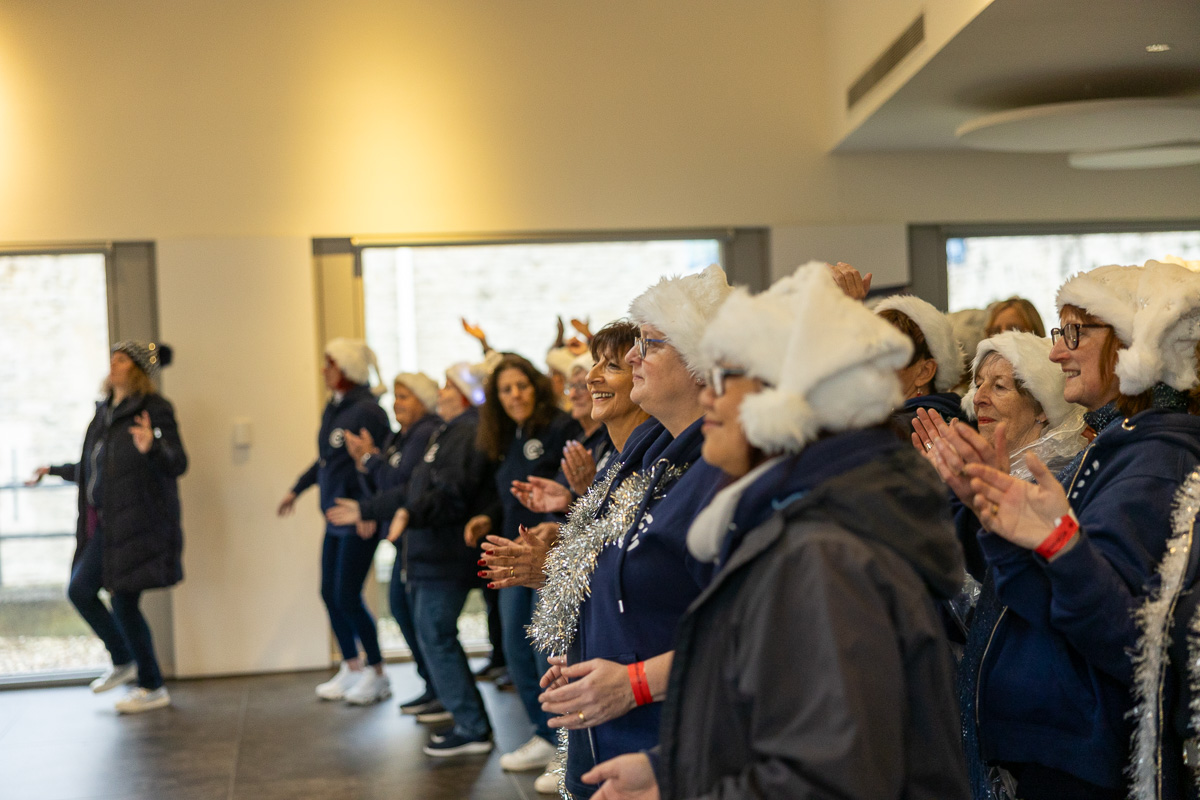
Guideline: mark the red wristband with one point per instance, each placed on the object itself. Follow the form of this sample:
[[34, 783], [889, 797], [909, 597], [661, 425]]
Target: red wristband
[[1066, 528], [637, 682]]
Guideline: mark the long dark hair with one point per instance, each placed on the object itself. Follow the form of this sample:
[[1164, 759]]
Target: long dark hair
[[496, 428]]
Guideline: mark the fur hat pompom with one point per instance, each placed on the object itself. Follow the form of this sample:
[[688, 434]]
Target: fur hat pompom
[[681, 308], [939, 336], [1164, 332], [423, 387], [775, 420]]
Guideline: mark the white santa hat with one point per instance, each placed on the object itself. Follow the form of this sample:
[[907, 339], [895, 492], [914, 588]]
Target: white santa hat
[[422, 386], [1166, 327], [560, 359], [830, 363], [1110, 293], [470, 379], [939, 337], [355, 360], [681, 307], [1029, 355]]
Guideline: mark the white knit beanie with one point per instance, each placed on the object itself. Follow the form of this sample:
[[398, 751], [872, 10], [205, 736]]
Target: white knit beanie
[[681, 307], [560, 359], [830, 363], [1166, 327], [422, 386], [1029, 356], [939, 336], [355, 360]]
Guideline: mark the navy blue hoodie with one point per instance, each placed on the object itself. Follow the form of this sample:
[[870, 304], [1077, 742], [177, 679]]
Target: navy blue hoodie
[[391, 469], [1054, 684], [334, 471]]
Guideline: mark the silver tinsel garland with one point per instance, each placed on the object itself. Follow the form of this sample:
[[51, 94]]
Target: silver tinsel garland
[[1154, 621], [572, 559]]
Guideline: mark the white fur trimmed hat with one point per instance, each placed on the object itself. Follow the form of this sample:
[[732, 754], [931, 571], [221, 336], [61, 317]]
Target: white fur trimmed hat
[[1166, 327], [470, 379], [681, 307], [938, 333], [583, 362], [353, 358], [423, 387], [1110, 293], [560, 359], [831, 364], [1029, 356]]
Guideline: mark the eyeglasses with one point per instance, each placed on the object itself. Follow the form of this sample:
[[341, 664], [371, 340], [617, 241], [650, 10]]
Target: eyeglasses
[[574, 387], [717, 376], [1070, 333], [641, 343]]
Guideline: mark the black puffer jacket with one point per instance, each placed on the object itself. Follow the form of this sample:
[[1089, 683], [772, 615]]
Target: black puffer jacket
[[137, 496], [814, 664]]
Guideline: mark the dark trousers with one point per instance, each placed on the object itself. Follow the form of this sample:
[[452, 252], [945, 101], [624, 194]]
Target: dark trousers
[[124, 631], [525, 665], [491, 599], [437, 606], [345, 561], [402, 612]]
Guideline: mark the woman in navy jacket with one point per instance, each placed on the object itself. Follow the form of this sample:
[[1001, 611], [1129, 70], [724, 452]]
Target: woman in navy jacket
[[1073, 557], [128, 537], [346, 554], [523, 432]]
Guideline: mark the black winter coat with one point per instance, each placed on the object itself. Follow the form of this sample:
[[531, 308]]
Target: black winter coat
[[137, 495]]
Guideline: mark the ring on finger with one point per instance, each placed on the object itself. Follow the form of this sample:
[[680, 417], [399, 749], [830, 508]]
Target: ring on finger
[[995, 509], [929, 445], [581, 717]]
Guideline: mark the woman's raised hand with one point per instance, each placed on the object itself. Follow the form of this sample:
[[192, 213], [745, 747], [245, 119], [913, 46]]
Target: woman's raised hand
[[286, 505], [359, 444], [598, 691], [853, 284], [542, 495], [476, 528], [579, 467], [38, 474], [521, 562], [959, 445], [345, 512], [143, 434], [1023, 513]]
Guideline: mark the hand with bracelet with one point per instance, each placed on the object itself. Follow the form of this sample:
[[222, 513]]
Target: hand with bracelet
[[596, 691], [1030, 515]]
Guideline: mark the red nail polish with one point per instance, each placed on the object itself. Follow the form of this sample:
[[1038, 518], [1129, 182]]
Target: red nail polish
[[481, 563], [491, 586], [481, 574]]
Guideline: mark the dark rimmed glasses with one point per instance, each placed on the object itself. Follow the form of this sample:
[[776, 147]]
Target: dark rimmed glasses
[[1070, 333], [641, 343], [717, 376]]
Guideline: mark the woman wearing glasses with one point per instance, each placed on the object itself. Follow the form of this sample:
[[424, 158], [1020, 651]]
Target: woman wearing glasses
[[620, 577], [1073, 557], [813, 664]]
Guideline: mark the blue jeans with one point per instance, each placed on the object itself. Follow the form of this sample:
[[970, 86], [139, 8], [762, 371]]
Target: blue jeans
[[436, 606], [345, 562], [398, 599], [525, 666], [124, 632]]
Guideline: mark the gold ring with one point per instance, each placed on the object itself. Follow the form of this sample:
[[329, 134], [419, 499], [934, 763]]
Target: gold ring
[[995, 509], [511, 571], [581, 717]]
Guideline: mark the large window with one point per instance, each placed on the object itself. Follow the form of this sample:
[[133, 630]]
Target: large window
[[414, 298], [54, 334], [981, 269]]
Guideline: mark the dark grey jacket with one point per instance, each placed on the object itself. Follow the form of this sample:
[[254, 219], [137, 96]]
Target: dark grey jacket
[[814, 665]]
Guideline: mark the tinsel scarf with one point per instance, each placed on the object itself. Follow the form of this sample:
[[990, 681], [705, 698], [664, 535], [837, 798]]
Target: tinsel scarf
[[1154, 620]]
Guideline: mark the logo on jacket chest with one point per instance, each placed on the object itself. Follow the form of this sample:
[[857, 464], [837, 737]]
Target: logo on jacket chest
[[533, 449], [337, 437], [431, 453], [394, 460]]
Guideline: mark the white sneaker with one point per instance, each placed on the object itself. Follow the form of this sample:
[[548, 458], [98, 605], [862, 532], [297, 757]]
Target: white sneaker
[[534, 754], [114, 676], [336, 687], [370, 688], [139, 700], [547, 782]]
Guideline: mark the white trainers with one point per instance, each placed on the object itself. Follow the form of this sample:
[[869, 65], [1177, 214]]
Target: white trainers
[[547, 782], [139, 700], [114, 676], [371, 687], [336, 687], [534, 754]]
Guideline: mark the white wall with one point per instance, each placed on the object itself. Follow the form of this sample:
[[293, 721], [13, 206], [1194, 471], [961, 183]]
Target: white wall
[[239, 314]]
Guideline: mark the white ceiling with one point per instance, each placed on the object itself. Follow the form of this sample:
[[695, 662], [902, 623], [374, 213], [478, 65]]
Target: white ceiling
[[1019, 53]]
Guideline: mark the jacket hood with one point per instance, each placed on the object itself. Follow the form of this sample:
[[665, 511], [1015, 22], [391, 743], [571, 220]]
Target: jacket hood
[[881, 489], [948, 404]]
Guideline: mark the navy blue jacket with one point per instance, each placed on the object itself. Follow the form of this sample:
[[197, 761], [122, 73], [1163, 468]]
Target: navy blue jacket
[[641, 587], [334, 471], [452, 483], [391, 469], [534, 453], [1054, 683], [946, 404]]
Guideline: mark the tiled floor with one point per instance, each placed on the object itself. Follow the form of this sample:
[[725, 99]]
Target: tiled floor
[[257, 738]]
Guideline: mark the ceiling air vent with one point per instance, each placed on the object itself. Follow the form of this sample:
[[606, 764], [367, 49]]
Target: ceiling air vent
[[905, 43]]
